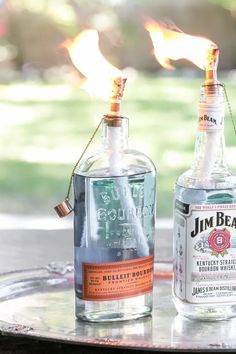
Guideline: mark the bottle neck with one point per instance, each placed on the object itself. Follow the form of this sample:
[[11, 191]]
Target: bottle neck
[[115, 133], [210, 142]]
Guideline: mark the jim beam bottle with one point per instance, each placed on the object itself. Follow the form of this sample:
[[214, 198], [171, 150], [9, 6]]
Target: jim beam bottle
[[204, 284], [114, 219]]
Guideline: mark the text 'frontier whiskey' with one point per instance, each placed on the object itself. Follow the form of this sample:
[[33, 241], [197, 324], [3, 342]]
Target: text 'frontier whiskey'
[[205, 221], [114, 223]]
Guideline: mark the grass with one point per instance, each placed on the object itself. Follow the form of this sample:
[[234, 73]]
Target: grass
[[45, 127]]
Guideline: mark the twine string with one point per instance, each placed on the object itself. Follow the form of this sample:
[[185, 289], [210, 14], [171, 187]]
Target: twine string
[[227, 101], [80, 158], [229, 107]]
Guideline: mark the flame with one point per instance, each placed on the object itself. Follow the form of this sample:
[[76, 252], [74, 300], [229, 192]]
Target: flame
[[86, 56], [173, 44]]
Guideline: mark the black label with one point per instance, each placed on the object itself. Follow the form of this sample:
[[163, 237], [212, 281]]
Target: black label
[[182, 207]]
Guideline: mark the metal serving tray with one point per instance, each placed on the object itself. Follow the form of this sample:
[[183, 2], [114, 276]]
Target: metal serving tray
[[39, 303]]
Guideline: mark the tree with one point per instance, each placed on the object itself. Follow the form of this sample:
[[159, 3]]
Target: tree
[[227, 4]]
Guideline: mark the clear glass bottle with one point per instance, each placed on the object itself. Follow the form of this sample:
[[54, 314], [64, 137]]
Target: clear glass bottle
[[114, 223], [204, 285]]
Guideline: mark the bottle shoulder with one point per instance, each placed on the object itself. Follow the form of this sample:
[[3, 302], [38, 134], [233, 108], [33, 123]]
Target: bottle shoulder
[[221, 179], [126, 162]]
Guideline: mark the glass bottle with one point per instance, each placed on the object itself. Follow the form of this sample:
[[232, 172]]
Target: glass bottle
[[114, 223], [204, 285]]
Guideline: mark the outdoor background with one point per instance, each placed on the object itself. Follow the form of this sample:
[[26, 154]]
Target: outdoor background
[[47, 117]]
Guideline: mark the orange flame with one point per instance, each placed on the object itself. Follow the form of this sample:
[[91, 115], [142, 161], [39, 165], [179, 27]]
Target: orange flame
[[173, 44], [86, 56]]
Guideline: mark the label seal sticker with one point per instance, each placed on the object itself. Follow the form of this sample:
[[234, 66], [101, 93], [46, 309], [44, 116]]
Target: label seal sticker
[[210, 117]]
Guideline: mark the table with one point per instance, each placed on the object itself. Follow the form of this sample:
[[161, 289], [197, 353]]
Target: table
[[164, 331], [21, 249]]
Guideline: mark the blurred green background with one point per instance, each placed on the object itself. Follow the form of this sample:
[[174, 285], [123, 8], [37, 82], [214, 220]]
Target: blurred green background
[[47, 118]]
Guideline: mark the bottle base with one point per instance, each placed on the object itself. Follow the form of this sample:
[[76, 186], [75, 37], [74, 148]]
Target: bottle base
[[205, 312], [111, 317], [114, 311]]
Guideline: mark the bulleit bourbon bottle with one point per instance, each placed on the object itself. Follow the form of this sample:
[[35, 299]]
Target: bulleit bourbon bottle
[[114, 224]]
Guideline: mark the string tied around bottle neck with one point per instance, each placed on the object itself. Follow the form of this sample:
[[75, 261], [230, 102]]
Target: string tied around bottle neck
[[65, 208], [221, 84]]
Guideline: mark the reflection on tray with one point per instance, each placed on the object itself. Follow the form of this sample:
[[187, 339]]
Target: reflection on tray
[[189, 333]]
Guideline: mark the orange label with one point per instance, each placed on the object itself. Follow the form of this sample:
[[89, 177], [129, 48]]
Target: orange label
[[117, 280]]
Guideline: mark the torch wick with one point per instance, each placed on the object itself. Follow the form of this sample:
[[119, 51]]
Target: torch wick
[[116, 96], [211, 69]]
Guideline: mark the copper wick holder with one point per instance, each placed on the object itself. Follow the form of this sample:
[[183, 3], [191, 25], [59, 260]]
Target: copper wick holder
[[63, 209]]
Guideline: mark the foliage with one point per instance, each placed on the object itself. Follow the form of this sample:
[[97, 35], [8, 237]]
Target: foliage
[[60, 12], [228, 4], [45, 127]]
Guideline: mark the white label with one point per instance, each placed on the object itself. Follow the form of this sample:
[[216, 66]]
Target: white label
[[210, 117], [205, 252]]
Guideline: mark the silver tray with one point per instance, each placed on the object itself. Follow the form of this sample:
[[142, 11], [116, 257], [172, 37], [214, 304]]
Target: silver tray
[[39, 303]]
